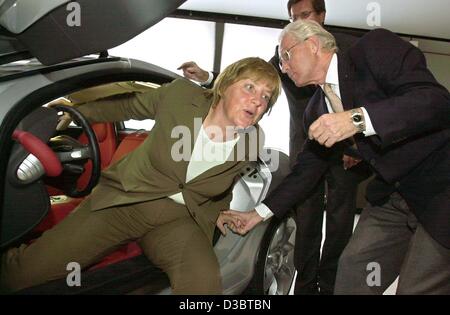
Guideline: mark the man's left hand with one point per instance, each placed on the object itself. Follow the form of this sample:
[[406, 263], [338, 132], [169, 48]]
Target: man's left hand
[[331, 128]]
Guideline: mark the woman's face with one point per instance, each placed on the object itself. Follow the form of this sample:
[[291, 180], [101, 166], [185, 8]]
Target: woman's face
[[244, 102]]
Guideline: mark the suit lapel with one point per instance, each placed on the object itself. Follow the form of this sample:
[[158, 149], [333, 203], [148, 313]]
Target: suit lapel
[[192, 120], [322, 108], [346, 79]]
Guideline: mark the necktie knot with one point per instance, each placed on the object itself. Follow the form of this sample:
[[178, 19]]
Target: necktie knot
[[335, 101]]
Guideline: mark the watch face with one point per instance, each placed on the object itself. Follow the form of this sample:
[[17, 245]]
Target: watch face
[[357, 118]]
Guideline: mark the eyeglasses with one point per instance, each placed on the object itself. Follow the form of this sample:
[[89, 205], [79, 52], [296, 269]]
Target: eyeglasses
[[302, 16], [286, 56]]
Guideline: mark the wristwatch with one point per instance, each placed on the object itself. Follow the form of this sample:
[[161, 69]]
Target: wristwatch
[[358, 119]]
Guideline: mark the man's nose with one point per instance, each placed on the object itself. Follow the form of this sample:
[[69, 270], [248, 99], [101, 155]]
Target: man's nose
[[284, 67]]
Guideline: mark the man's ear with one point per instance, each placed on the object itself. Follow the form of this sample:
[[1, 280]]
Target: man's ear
[[313, 44], [322, 18]]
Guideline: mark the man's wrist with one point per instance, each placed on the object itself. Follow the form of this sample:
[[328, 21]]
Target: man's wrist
[[263, 211], [358, 120], [208, 80]]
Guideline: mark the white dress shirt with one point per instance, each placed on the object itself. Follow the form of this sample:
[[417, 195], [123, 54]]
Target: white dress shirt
[[210, 79]]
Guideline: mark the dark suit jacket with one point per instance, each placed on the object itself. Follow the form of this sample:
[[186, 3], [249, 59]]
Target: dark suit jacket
[[149, 172], [410, 112]]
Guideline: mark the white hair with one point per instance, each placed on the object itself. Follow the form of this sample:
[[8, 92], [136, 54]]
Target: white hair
[[301, 30]]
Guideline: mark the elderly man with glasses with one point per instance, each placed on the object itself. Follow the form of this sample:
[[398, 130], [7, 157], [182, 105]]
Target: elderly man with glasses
[[379, 99]]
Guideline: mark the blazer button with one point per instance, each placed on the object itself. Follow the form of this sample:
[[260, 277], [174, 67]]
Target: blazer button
[[373, 162], [397, 184], [180, 186]]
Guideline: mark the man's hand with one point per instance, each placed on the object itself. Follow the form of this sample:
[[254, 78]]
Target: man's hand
[[331, 128], [65, 120], [247, 220], [193, 72], [349, 161]]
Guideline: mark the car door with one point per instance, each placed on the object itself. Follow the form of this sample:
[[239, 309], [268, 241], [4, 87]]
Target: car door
[[58, 30]]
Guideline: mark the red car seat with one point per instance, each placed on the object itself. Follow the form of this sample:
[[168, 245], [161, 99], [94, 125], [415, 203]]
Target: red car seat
[[61, 208]]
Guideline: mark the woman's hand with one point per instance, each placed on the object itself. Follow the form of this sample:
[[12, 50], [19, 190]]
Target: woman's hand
[[246, 220], [232, 222], [65, 119]]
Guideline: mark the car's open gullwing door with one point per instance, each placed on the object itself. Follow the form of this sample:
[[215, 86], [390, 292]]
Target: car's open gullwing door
[[58, 30]]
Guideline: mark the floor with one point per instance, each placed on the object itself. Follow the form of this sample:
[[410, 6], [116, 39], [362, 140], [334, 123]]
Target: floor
[[389, 291]]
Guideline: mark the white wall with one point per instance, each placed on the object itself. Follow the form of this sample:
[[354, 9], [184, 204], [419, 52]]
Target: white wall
[[243, 41], [439, 65], [171, 42]]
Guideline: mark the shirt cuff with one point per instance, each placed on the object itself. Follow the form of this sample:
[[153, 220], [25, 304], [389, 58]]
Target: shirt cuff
[[210, 78], [369, 127], [263, 211]]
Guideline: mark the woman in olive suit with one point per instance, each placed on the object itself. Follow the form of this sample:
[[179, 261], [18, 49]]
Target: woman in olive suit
[[168, 193]]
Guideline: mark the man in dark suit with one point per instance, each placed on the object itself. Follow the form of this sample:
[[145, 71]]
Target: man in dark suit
[[315, 271], [379, 99]]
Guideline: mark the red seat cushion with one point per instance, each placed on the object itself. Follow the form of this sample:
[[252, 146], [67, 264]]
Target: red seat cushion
[[128, 144], [107, 142], [59, 210]]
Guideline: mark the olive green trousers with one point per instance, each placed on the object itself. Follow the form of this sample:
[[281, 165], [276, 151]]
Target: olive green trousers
[[167, 234]]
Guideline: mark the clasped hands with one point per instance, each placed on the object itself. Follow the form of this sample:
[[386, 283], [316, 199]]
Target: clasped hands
[[238, 222]]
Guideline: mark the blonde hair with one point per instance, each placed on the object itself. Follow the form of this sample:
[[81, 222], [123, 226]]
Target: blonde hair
[[301, 30], [253, 68]]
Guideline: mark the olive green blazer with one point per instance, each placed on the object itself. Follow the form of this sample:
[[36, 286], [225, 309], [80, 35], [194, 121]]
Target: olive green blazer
[[149, 172]]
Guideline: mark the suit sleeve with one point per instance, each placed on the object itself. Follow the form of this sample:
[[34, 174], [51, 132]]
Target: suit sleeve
[[275, 61], [415, 102], [296, 187], [210, 85], [137, 106], [222, 203]]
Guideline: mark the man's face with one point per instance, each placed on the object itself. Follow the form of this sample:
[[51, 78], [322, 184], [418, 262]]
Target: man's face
[[304, 10], [245, 101], [302, 60]]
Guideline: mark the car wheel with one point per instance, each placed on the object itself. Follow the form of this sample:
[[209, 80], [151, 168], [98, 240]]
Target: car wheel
[[275, 271]]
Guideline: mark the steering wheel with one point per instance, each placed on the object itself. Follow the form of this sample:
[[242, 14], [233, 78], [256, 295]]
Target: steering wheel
[[26, 200], [74, 151]]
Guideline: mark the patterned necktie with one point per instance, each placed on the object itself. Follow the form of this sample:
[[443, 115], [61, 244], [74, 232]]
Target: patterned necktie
[[335, 101], [336, 105]]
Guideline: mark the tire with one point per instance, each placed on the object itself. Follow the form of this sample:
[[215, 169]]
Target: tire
[[275, 271]]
